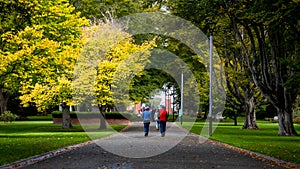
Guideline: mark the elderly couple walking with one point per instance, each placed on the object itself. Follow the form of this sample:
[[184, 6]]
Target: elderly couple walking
[[160, 117]]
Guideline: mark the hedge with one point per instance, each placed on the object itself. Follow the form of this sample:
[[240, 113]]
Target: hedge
[[108, 115]]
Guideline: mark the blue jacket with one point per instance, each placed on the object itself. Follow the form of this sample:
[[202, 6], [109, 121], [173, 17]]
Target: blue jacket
[[146, 116]]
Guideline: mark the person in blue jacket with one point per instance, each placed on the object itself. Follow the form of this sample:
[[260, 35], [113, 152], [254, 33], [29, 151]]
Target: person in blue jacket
[[146, 119]]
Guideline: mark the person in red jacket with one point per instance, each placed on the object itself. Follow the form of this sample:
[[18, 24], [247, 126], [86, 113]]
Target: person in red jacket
[[163, 117]]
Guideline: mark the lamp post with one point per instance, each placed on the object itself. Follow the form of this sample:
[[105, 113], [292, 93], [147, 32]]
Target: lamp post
[[169, 101], [180, 113], [211, 24], [165, 90], [173, 103]]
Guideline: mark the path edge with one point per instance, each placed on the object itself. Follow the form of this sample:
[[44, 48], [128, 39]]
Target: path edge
[[34, 159], [253, 154], [259, 156]]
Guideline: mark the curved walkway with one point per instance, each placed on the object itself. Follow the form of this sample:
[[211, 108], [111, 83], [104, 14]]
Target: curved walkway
[[178, 149]]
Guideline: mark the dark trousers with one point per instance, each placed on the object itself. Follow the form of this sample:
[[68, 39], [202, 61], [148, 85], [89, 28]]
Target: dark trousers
[[146, 127], [162, 126]]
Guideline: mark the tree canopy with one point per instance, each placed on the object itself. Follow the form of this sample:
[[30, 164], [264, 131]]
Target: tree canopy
[[40, 47], [267, 35], [258, 42]]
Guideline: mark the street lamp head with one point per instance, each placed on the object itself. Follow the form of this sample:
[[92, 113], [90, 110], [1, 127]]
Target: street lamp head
[[211, 26]]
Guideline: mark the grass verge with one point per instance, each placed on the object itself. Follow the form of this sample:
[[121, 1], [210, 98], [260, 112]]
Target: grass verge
[[23, 139], [264, 141]]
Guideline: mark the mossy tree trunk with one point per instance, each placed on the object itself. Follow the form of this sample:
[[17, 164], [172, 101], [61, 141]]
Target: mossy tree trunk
[[102, 117], [3, 101], [250, 117], [66, 116]]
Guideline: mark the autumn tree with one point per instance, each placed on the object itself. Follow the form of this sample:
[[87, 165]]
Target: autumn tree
[[14, 16], [41, 51], [107, 60]]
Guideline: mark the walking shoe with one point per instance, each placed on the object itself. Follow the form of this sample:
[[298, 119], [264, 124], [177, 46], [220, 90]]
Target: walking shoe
[[146, 134]]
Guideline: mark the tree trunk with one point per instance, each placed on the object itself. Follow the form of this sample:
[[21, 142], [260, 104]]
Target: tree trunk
[[250, 121], [250, 117], [269, 73], [235, 119], [102, 117], [66, 116], [3, 101], [285, 124]]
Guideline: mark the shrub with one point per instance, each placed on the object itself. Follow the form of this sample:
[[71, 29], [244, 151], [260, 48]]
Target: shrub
[[272, 120], [170, 118], [117, 115], [58, 114], [109, 115], [7, 116], [296, 120]]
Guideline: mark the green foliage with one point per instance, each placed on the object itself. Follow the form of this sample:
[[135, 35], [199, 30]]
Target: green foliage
[[119, 8], [143, 85], [260, 40], [155, 79], [7, 116], [87, 8], [170, 117], [108, 9]]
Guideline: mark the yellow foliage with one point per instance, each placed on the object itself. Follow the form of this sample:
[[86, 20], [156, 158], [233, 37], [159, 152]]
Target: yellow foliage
[[39, 59], [108, 48]]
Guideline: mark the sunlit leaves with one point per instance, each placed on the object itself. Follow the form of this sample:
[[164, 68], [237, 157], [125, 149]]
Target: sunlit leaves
[[108, 50], [44, 53]]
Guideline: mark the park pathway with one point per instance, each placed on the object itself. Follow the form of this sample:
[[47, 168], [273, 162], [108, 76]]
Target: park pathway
[[178, 149]]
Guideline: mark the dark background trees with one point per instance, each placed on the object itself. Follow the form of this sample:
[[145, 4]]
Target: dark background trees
[[266, 37]]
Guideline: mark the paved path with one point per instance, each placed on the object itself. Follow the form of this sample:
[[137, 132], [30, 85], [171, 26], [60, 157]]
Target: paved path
[[131, 150]]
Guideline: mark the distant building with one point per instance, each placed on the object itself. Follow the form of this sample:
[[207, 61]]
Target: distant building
[[161, 98]]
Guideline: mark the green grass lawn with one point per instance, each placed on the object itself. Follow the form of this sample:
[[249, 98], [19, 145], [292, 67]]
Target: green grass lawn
[[22, 139], [264, 141], [38, 135]]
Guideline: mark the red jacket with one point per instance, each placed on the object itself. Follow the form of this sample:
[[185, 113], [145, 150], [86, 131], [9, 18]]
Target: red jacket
[[163, 115]]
